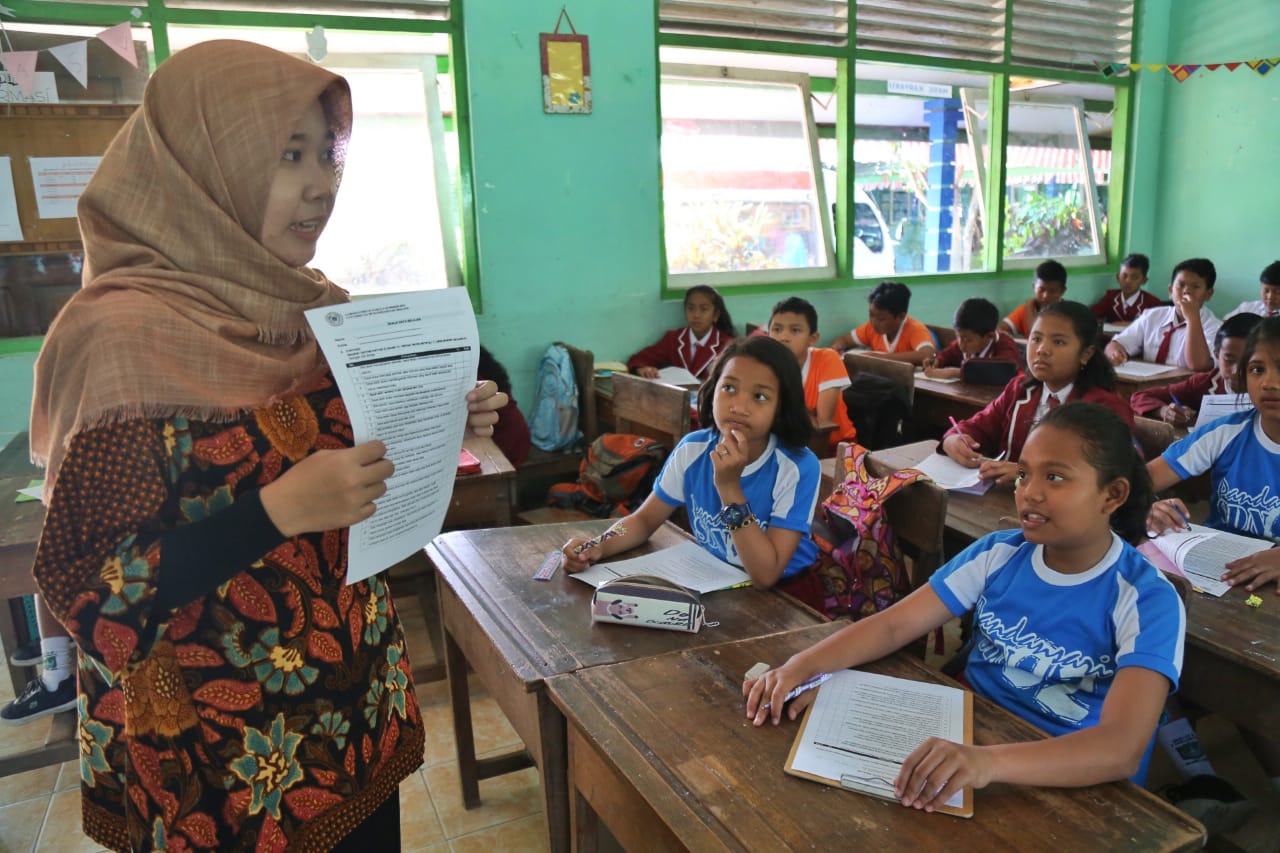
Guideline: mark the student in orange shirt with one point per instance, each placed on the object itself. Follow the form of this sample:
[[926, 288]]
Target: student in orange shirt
[[1050, 287], [888, 330], [794, 324]]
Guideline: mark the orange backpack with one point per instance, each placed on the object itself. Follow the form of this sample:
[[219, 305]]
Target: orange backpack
[[615, 477]]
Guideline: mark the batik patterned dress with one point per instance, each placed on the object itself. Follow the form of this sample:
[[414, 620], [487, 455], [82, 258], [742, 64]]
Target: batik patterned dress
[[276, 709]]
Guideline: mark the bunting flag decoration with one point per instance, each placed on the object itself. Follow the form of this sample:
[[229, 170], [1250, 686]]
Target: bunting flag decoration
[[21, 64], [1183, 71], [120, 39], [1262, 66], [74, 57]]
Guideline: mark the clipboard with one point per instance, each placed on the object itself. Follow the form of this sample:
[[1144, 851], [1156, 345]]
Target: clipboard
[[877, 786]]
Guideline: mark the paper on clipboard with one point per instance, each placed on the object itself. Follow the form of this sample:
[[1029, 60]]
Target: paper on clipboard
[[404, 364], [836, 746]]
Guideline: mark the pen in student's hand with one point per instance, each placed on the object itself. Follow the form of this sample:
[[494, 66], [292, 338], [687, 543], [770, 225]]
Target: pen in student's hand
[[1186, 519], [808, 684], [954, 424], [742, 585], [616, 530], [1175, 399]]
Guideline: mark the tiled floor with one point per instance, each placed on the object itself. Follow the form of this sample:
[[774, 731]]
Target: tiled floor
[[40, 810]]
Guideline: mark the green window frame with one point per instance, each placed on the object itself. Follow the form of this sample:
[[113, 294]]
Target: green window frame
[[379, 16], [1006, 39]]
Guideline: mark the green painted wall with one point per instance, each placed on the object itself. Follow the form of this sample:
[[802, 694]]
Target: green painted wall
[[1213, 144], [568, 208]]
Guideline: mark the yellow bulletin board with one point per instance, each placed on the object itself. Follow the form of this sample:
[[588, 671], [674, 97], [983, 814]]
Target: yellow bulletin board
[[52, 130], [566, 71]]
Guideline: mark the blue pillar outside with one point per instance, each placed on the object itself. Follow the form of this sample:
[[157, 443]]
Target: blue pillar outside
[[942, 115]]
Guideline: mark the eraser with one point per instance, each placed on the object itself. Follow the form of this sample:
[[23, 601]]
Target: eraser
[[756, 671], [1253, 601], [549, 565]]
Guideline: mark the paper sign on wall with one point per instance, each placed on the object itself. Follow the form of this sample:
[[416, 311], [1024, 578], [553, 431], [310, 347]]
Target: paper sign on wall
[[58, 182], [10, 227], [44, 90]]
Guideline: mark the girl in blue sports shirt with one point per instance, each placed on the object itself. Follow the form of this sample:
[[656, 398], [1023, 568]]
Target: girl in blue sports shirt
[[1075, 631], [749, 483], [1242, 453]]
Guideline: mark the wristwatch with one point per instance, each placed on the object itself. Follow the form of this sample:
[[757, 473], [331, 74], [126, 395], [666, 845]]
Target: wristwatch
[[736, 516]]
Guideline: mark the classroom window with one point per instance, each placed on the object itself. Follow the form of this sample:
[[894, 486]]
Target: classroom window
[[395, 225], [743, 193], [1056, 178], [919, 205], [979, 138]]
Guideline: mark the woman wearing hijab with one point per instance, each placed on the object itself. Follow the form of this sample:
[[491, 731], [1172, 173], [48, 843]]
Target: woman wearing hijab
[[233, 691]]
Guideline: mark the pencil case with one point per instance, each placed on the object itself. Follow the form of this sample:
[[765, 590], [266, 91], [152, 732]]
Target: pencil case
[[648, 602]]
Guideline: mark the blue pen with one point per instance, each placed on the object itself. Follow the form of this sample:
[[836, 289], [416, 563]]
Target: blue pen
[[1186, 520], [1175, 399]]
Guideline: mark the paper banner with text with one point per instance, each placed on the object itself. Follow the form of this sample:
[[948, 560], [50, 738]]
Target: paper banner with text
[[120, 39], [22, 65], [74, 58]]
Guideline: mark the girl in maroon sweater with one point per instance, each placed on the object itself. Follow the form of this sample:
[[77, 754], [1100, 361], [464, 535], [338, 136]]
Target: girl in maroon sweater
[[1064, 364], [693, 347]]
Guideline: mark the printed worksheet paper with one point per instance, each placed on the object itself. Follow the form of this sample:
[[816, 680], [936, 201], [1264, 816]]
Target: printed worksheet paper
[[404, 364]]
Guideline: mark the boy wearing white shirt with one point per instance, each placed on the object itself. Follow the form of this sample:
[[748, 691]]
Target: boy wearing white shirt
[[1180, 334], [1269, 304]]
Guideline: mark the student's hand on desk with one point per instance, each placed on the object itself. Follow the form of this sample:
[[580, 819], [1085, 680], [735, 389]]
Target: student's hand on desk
[[1255, 570], [1172, 413], [770, 689], [579, 562], [647, 372], [1165, 515], [937, 769], [328, 490], [963, 449], [483, 402], [1116, 353], [1002, 472]]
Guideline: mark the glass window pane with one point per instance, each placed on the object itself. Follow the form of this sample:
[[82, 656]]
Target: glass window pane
[[386, 231], [1052, 209], [740, 192], [918, 203]]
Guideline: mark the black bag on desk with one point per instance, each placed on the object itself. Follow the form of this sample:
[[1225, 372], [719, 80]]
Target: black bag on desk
[[988, 371], [879, 408]]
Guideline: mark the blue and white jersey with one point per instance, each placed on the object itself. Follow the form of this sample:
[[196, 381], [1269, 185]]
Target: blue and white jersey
[[781, 488], [1047, 644], [1246, 473]]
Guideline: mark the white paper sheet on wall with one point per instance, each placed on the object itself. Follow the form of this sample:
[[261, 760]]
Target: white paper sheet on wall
[[58, 183], [10, 227]]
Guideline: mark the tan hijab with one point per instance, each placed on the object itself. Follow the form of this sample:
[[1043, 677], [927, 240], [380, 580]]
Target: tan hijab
[[183, 311]]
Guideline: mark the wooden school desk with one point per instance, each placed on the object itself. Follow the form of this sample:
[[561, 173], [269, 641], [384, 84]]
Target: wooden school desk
[[660, 750], [20, 525], [1231, 661], [516, 632], [937, 402], [488, 498], [1127, 387]]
